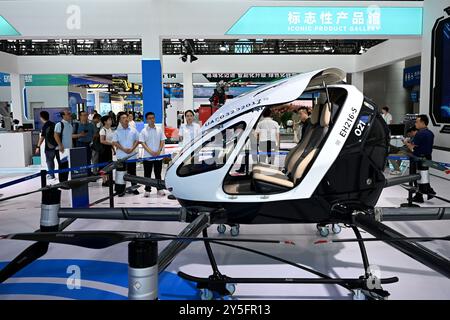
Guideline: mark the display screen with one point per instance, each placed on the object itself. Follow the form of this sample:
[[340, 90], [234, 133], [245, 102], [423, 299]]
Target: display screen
[[441, 91], [445, 91]]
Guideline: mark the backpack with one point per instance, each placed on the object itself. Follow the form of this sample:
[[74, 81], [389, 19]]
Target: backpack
[[50, 141]]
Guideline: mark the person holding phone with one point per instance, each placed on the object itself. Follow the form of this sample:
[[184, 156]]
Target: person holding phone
[[63, 136]]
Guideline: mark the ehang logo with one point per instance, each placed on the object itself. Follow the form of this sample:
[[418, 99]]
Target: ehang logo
[[74, 280], [73, 21]]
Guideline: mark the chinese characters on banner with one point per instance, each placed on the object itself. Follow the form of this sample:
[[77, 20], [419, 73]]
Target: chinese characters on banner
[[248, 75], [343, 21]]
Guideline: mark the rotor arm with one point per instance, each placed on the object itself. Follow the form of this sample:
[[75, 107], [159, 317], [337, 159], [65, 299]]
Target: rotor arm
[[156, 183], [141, 214]]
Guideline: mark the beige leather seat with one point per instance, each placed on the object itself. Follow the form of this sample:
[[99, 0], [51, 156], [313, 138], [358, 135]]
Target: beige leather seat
[[299, 162], [294, 153]]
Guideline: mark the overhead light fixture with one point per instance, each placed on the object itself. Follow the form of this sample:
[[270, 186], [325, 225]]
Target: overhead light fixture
[[188, 50], [223, 48]]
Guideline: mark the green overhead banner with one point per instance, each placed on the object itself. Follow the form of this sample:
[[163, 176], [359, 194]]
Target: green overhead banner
[[46, 80], [372, 20], [6, 29]]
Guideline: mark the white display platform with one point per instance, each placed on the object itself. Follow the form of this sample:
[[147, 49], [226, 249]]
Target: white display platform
[[15, 149]]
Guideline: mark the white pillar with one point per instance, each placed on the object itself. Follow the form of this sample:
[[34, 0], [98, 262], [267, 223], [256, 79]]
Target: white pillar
[[188, 91], [17, 86], [358, 80]]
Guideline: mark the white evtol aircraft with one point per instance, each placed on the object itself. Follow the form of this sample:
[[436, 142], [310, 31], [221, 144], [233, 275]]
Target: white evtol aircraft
[[334, 175]]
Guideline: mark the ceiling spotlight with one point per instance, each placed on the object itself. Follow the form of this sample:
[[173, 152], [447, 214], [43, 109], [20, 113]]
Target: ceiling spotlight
[[193, 58], [223, 47], [184, 58]]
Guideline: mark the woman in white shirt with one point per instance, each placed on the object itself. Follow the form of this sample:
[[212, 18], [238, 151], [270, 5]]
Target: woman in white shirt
[[189, 130], [107, 150], [387, 117], [131, 122]]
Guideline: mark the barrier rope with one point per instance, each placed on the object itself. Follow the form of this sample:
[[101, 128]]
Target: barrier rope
[[10, 183], [80, 168]]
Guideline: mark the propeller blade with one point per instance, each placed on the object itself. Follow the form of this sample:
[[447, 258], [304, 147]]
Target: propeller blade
[[85, 239], [113, 165], [416, 189], [417, 239], [156, 237], [70, 184], [429, 163], [19, 195], [30, 254], [104, 239], [156, 183]]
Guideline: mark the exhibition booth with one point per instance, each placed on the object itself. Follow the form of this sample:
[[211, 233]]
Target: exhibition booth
[[282, 137]]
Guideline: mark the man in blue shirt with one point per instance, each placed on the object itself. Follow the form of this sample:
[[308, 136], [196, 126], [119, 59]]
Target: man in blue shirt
[[125, 140], [422, 147]]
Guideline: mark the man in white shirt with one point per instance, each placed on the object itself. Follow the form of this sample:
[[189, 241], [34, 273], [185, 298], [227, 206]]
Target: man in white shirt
[[125, 140], [387, 117], [152, 139], [63, 136], [268, 135]]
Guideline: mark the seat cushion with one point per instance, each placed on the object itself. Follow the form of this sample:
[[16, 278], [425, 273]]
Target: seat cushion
[[276, 179], [261, 166], [267, 170]]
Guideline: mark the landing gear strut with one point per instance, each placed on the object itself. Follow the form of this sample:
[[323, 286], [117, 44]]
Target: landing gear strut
[[218, 285]]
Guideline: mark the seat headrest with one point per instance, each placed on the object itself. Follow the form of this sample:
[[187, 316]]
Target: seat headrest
[[315, 114], [325, 117], [322, 98]]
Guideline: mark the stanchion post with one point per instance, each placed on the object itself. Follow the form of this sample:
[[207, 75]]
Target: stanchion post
[[51, 202], [111, 189], [412, 170], [143, 270], [43, 178]]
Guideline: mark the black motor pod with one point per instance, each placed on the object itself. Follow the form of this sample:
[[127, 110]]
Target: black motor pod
[[143, 270], [51, 201]]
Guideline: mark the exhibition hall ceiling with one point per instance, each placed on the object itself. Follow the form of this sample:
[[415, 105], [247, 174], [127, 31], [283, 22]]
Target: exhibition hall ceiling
[[181, 46]]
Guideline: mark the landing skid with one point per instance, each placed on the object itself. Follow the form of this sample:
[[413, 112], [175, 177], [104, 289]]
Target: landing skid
[[218, 284]]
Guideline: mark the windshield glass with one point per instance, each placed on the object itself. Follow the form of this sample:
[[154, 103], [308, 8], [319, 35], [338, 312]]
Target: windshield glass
[[213, 152]]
